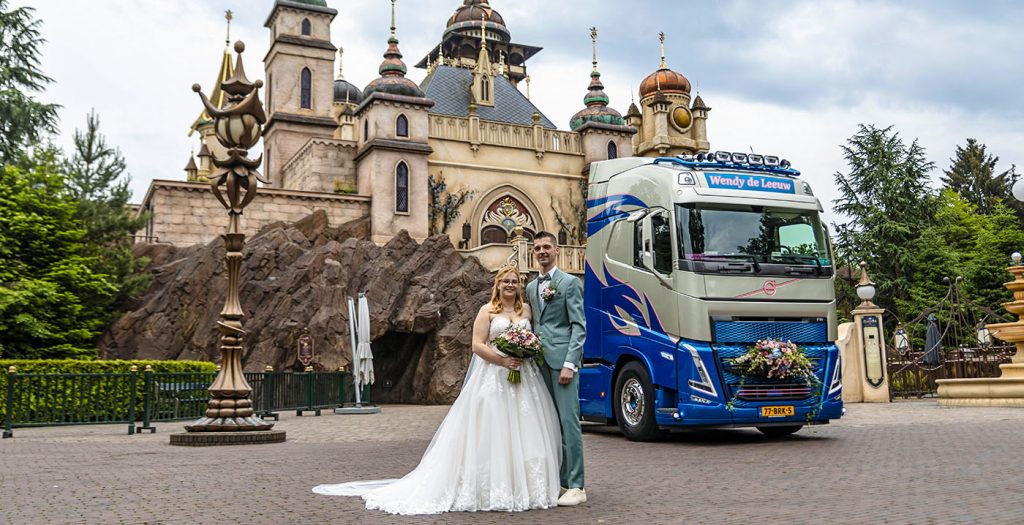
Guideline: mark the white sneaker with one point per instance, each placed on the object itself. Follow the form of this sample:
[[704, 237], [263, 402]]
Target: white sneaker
[[572, 497]]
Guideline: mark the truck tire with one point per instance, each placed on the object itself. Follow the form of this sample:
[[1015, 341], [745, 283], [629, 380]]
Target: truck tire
[[634, 404], [779, 431]]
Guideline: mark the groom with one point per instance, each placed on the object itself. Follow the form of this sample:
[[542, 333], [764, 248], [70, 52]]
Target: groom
[[557, 301]]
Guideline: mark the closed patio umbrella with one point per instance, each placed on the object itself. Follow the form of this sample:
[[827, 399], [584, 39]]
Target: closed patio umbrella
[[932, 342], [364, 365]]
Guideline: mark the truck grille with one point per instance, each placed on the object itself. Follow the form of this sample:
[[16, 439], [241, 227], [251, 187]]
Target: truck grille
[[800, 332], [759, 390]]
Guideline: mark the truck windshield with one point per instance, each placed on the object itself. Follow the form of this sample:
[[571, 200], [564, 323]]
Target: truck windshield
[[757, 234]]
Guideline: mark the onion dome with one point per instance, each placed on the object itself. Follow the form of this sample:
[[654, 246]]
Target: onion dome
[[467, 19], [597, 109], [664, 80], [392, 70], [392, 75], [344, 91], [596, 100]]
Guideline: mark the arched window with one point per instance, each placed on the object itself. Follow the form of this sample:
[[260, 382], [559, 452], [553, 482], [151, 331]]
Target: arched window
[[613, 150], [366, 130], [402, 188], [485, 88], [306, 95], [306, 28], [493, 235], [402, 126]]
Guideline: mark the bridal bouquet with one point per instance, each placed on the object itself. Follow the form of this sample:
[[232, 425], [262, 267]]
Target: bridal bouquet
[[519, 343], [773, 359]]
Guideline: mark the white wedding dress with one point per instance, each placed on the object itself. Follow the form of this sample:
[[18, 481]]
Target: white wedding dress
[[498, 449]]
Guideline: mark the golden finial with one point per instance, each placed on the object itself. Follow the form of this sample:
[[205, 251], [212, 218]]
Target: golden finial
[[341, 56], [661, 37], [593, 41], [392, 18]]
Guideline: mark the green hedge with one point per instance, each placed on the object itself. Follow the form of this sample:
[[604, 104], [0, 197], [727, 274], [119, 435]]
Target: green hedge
[[85, 405]]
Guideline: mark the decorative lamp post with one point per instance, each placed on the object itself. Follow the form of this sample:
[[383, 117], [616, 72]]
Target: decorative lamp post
[[237, 126], [865, 288], [984, 336], [902, 340]]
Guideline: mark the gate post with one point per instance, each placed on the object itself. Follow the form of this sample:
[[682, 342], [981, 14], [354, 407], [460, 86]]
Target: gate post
[[862, 347]]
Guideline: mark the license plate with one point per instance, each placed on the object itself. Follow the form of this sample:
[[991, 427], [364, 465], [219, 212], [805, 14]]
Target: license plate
[[783, 411]]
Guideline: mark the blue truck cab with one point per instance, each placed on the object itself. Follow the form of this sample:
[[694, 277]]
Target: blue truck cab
[[690, 261]]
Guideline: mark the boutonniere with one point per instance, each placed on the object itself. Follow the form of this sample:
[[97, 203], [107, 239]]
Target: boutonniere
[[548, 293]]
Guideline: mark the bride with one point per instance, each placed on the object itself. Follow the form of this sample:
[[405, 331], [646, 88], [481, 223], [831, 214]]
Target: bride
[[499, 447]]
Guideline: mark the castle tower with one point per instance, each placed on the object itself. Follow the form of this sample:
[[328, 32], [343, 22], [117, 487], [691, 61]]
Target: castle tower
[[393, 149], [668, 124], [603, 131], [300, 87], [463, 39]]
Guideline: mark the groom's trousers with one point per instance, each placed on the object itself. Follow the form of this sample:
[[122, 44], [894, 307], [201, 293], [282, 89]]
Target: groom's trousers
[[567, 403]]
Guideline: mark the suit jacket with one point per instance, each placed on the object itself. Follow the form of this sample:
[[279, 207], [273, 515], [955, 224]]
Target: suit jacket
[[560, 322]]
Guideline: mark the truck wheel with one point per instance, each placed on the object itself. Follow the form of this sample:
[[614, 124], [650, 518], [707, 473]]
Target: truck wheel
[[634, 404], [779, 431]]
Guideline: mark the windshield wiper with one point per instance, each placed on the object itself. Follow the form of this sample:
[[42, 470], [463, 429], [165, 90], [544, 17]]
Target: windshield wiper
[[751, 258], [801, 256]]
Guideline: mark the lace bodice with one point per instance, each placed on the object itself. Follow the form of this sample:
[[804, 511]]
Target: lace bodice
[[501, 323]]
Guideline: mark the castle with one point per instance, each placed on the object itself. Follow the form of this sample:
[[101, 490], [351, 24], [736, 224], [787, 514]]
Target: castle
[[464, 153]]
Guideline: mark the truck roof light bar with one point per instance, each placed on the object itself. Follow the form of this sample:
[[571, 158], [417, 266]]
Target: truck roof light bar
[[755, 159], [739, 158], [723, 156], [779, 168]]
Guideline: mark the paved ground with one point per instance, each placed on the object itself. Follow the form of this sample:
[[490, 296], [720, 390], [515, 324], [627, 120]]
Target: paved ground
[[909, 462]]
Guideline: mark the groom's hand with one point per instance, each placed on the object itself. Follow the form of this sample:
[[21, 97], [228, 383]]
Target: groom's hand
[[565, 377]]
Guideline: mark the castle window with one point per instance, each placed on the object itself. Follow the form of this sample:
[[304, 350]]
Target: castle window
[[366, 130], [306, 96], [402, 188], [493, 235], [402, 126], [485, 88], [306, 28], [613, 150]]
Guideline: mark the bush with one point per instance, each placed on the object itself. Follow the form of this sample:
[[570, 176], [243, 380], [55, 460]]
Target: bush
[[70, 401]]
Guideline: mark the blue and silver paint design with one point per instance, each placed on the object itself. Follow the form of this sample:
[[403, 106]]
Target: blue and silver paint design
[[603, 211]]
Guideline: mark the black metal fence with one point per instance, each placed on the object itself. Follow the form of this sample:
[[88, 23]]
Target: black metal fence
[[912, 373], [34, 400]]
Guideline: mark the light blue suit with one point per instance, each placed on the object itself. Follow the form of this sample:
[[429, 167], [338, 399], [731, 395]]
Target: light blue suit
[[562, 329]]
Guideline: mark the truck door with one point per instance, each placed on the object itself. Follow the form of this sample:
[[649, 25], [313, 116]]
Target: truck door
[[654, 305]]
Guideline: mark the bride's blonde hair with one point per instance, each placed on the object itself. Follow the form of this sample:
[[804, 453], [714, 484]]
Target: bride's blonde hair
[[496, 290]]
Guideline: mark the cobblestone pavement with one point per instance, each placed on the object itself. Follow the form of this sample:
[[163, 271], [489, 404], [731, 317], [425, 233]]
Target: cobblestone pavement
[[908, 462]]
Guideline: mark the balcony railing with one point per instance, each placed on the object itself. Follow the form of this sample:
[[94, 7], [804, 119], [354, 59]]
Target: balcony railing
[[571, 259]]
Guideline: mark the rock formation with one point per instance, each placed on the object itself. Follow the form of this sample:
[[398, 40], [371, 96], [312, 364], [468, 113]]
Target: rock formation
[[422, 299]]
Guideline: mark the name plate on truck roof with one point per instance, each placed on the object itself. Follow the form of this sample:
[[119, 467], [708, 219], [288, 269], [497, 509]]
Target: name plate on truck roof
[[743, 182]]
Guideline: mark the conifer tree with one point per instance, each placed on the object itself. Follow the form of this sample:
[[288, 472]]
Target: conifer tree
[[972, 174], [24, 121]]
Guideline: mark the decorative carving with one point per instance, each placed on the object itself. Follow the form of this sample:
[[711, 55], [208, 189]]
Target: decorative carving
[[508, 213]]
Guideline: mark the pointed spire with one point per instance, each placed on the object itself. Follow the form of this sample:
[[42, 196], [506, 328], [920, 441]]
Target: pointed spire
[[527, 79], [392, 64], [595, 95], [341, 58], [596, 99], [217, 95], [483, 61], [661, 38], [593, 42]]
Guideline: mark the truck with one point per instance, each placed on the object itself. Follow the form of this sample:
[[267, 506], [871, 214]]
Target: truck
[[690, 261]]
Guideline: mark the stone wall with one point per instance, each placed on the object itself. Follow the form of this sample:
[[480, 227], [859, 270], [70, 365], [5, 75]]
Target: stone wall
[[322, 165], [187, 213]]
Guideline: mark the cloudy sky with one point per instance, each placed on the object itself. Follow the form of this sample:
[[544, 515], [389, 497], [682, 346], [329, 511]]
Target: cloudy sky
[[786, 77]]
